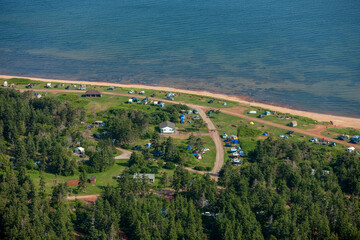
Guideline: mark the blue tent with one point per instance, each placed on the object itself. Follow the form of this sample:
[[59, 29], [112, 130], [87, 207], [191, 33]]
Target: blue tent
[[265, 134], [235, 141], [241, 153], [286, 137], [188, 147], [102, 124], [148, 145], [282, 135], [182, 120], [182, 116], [162, 104]]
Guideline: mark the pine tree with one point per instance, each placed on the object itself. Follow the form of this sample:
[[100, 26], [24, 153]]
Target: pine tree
[[82, 181]]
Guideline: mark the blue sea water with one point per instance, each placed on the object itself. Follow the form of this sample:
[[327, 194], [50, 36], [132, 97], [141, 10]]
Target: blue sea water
[[302, 54]]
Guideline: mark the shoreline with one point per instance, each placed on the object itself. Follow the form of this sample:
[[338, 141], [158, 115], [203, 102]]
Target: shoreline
[[339, 121]]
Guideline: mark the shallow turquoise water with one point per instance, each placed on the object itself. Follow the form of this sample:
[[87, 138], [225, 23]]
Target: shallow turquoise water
[[303, 54]]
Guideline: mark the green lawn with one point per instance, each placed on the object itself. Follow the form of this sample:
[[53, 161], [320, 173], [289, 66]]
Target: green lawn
[[346, 131], [303, 122], [102, 179]]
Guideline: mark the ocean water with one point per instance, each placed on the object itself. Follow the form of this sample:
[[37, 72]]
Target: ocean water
[[301, 54]]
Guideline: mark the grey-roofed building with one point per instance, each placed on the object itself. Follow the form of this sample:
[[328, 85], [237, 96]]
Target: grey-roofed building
[[149, 176]]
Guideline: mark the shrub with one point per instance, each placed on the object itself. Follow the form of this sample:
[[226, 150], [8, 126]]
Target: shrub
[[169, 165]]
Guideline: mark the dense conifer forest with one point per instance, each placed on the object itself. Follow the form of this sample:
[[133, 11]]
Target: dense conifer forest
[[286, 191]]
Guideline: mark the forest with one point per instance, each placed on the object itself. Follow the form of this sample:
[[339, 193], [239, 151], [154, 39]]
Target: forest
[[287, 190]]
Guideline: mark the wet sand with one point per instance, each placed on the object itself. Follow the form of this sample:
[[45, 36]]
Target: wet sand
[[339, 121]]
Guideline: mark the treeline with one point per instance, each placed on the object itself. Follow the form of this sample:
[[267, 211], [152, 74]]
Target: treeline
[[37, 132], [26, 213]]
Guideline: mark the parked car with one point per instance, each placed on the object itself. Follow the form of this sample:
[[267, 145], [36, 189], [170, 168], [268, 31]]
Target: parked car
[[211, 101], [290, 132], [342, 138], [158, 154], [261, 116], [137, 147]]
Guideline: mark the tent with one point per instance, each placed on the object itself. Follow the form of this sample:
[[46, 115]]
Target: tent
[[282, 135], [252, 123], [235, 141], [265, 134], [182, 120], [188, 147]]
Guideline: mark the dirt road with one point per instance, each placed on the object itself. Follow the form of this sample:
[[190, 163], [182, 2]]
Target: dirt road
[[89, 198], [214, 134], [125, 154]]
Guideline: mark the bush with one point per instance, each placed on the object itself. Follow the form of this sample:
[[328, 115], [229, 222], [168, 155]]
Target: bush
[[201, 168], [169, 165]]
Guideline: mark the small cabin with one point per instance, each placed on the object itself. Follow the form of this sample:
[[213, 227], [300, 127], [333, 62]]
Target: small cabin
[[167, 127], [293, 124], [93, 93], [150, 177], [92, 179]]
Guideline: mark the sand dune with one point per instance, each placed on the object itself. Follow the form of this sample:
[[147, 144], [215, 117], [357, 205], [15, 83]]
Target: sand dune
[[339, 121]]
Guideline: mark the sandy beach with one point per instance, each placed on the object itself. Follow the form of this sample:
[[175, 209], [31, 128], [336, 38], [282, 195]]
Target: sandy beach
[[339, 121]]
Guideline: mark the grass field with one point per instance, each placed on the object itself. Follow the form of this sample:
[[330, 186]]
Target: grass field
[[303, 122], [102, 179], [181, 97], [345, 131]]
